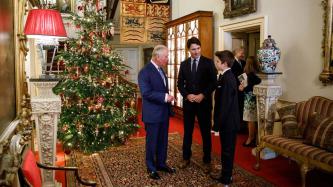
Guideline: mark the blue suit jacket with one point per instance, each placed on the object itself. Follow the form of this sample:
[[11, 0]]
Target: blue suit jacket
[[153, 90]]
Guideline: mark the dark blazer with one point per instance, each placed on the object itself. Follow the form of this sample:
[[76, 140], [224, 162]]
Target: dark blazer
[[153, 90], [204, 82], [226, 113], [237, 69]]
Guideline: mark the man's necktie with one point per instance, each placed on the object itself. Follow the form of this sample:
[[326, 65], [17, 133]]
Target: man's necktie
[[194, 67], [240, 64], [220, 77], [162, 75]]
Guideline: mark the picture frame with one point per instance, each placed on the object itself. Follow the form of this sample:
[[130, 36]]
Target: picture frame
[[158, 1], [65, 6], [235, 8], [326, 76]]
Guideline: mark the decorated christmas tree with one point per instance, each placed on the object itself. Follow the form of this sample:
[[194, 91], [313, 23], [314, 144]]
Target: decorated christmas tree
[[98, 104]]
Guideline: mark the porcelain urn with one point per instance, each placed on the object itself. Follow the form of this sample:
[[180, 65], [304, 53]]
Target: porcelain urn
[[268, 55]]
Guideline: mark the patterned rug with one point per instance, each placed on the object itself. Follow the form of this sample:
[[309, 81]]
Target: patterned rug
[[125, 166]]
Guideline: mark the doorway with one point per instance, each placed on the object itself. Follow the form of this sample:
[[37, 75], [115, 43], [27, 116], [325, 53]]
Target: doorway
[[249, 40], [248, 34]]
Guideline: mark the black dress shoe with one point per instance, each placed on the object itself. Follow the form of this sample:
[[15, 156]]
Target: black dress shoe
[[226, 180], [251, 144], [154, 175], [167, 169]]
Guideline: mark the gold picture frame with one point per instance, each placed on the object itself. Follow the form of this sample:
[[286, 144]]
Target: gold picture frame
[[65, 6], [326, 76], [234, 8]]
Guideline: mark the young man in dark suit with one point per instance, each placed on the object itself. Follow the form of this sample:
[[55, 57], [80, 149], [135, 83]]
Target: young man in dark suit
[[196, 82], [156, 110], [226, 116], [237, 69]]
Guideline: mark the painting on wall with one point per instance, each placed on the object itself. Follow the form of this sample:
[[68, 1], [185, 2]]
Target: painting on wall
[[234, 8], [65, 6]]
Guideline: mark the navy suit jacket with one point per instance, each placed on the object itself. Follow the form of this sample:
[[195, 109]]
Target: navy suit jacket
[[153, 90], [226, 112], [204, 82]]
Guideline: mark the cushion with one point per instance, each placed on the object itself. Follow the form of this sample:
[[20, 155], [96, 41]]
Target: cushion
[[30, 169], [290, 128], [319, 132]]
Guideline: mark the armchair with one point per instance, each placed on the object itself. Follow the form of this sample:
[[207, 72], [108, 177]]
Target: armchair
[[30, 174]]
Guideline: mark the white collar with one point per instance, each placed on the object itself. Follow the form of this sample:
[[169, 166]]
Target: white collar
[[195, 58], [156, 66]]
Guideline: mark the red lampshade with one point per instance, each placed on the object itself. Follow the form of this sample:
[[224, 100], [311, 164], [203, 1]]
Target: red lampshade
[[44, 23]]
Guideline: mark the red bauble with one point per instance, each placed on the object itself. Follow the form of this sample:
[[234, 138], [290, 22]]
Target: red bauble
[[86, 68], [100, 99]]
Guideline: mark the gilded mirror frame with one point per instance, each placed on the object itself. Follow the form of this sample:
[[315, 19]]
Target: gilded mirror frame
[[21, 126], [234, 8], [326, 76]]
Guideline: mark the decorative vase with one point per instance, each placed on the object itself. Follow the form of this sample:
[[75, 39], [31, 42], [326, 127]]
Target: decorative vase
[[268, 55]]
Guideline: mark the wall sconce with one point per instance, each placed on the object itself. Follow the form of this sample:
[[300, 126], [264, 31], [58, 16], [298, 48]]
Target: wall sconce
[[46, 26]]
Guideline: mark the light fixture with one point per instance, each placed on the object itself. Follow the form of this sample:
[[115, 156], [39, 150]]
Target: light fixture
[[44, 23], [47, 27]]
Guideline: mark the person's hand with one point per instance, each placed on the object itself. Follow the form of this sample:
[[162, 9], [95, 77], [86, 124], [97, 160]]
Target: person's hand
[[198, 98], [241, 87], [190, 97], [170, 98]]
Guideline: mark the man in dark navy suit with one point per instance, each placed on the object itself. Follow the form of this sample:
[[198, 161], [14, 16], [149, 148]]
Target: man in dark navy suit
[[237, 69], [156, 109], [196, 82]]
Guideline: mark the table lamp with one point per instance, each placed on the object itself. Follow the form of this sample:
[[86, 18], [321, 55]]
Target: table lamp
[[46, 26]]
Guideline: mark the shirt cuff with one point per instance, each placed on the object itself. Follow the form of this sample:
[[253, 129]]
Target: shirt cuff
[[166, 98]]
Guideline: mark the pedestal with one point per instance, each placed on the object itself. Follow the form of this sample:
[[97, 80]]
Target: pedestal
[[46, 108], [267, 94]]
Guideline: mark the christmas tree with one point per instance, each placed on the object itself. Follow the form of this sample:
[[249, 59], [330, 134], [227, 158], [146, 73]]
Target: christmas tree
[[98, 105]]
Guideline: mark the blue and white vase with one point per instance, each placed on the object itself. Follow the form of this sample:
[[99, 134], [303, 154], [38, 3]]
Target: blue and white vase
[[268, 55]]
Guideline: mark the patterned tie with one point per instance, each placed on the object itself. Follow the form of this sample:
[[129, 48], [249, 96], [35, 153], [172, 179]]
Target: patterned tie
[[194, 67], [162, 75]]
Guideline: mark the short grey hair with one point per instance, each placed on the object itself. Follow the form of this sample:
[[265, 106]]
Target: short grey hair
[[158, 50], [235, 51]]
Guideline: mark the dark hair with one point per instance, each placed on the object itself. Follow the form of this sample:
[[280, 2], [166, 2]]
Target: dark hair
[[191, 41], [226, 56], [251, 65]]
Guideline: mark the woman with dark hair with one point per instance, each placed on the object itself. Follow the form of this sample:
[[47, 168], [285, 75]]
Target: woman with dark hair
[[250, 106]]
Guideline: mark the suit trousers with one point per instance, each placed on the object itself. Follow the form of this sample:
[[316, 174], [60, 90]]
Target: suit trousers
[[156, 144], [228, 142], [203, 112]]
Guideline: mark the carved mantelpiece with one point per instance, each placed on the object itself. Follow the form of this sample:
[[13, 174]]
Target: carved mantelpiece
[[267, 94], [46, 108]]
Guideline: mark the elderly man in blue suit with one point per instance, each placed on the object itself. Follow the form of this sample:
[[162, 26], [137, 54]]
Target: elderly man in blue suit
[[156, 109]]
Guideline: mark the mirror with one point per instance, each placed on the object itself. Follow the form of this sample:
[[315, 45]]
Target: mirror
[[326, 76]]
